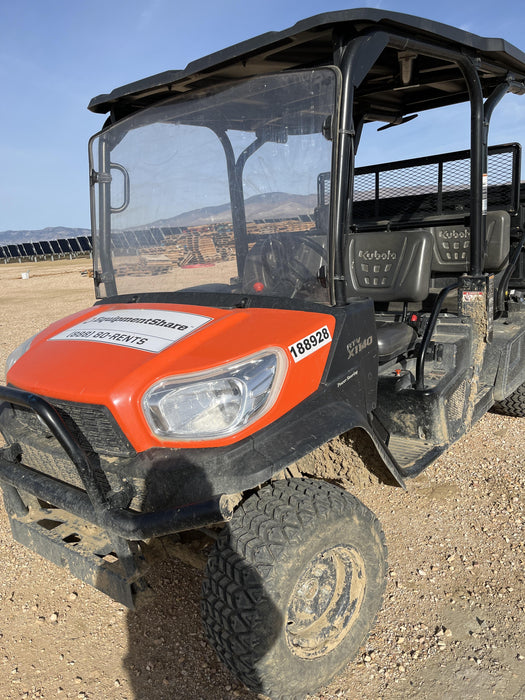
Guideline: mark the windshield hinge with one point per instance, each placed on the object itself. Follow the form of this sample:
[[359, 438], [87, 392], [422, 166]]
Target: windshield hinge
[[99, 177]]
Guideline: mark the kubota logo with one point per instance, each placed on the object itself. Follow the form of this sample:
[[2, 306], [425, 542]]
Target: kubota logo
[[455, 235], [377, 255]]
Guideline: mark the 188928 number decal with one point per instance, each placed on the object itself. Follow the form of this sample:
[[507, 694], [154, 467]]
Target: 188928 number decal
[[310, 343]]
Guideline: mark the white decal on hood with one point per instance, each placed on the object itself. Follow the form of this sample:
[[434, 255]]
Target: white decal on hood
[[310, 343], [151, 330]]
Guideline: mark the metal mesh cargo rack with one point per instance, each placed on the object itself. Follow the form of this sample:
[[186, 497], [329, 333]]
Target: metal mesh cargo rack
[[411, 191]]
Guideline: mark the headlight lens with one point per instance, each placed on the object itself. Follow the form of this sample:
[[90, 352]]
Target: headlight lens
[[18, 352], [216, 403]]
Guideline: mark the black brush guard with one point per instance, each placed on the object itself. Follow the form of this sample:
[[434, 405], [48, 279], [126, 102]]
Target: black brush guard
[[81, 530]]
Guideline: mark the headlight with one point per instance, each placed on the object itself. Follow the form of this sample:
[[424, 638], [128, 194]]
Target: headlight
[[215, 403], [18, 352]]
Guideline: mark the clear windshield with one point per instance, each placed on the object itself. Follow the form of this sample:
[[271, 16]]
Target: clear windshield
[[218, 192]]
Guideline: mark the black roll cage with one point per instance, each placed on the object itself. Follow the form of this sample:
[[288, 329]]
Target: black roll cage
[[354, 60], [362, 44]]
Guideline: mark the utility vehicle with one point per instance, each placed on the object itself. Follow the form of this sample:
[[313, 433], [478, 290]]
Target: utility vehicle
[[259, 294]]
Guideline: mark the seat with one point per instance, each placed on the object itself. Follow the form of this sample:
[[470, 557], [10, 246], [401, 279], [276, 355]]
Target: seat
[[393, 339], [390, 266], [452, 245]]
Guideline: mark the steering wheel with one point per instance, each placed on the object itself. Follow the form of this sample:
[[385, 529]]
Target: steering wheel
[[283, 273]]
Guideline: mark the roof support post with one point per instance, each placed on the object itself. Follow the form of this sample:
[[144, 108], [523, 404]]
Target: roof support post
[[478, 167], [492, 101], [357, 59], [235, 169]]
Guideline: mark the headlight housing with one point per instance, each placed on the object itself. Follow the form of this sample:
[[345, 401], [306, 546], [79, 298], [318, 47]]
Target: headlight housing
[[18, 352], [215, 403]]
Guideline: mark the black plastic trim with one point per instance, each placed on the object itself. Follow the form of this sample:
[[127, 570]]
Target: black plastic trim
[[218, 300]]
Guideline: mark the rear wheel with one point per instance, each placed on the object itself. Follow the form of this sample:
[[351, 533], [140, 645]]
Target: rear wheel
[[293, 586], [513, 405]]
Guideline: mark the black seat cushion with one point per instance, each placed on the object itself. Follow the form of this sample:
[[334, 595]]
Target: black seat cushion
[[393, 339]]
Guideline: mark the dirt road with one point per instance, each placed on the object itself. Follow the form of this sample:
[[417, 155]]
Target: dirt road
[[453, 621]]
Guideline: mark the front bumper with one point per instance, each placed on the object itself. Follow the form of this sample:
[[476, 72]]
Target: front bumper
[[86, 530], [92, 503]]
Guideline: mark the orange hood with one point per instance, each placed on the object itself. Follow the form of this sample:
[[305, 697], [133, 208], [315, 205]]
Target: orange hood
[[112, 354]]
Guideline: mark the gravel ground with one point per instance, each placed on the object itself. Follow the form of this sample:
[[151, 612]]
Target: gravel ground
[[452, 624]]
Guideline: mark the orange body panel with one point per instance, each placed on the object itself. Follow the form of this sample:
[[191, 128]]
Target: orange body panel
[[118, 376]]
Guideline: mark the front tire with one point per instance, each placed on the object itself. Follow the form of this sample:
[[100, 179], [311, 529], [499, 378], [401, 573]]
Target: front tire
[[293, 586]]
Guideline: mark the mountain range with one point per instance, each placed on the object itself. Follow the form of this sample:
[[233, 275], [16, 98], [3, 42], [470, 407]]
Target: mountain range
[[51, 233], [271, 205]]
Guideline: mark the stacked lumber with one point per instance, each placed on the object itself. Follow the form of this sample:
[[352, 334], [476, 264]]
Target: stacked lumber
[[267, 227], [154, 264], [200, 245]]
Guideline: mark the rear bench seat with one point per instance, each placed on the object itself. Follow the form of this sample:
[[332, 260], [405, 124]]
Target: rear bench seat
[[390, 266], [403, 266], [451, 251]]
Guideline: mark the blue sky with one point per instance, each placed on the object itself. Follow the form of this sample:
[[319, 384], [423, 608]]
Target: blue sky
[[57, 54]]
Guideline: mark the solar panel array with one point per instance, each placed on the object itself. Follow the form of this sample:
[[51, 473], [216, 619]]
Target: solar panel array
[[38, 250], [130, 242], [123, 241]]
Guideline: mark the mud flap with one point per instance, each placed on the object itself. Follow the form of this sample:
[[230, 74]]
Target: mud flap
[[85, 551]]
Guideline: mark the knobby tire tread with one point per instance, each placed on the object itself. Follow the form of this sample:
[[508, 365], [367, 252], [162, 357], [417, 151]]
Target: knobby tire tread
[[268, 522]]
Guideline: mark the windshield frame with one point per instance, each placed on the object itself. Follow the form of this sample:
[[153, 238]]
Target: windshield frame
[[99, 183]]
